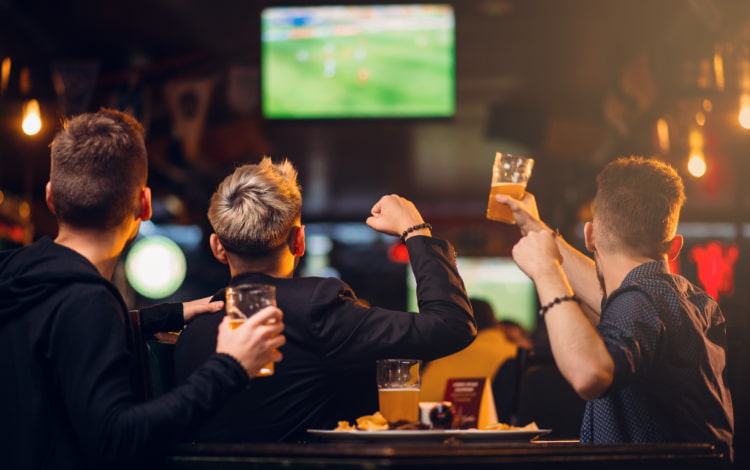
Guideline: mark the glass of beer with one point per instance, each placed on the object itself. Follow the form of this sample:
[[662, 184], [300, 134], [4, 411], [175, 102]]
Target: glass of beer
[[399, 382], [242, 301], [510, 173]]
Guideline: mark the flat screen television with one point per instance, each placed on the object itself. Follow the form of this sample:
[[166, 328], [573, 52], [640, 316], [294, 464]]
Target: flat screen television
[[497, 281], [358, 61]]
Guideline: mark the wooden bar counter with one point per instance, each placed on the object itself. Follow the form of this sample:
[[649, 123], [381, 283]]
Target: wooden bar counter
[[449, 455]]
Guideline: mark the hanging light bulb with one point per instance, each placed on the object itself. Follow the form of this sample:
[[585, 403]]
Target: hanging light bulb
[[697, 164], [32, 118], [695, 140], [696, 160], [744, 115]]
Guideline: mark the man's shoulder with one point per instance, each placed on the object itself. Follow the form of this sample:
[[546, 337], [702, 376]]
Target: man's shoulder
[[663, 295], [311, 287], [45, 273], [662, 285]]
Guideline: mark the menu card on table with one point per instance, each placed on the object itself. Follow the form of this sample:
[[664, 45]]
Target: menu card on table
[[473, 402]]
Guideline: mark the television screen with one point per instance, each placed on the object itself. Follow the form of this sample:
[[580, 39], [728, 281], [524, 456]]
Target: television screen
[[497, 281], [363, 61]]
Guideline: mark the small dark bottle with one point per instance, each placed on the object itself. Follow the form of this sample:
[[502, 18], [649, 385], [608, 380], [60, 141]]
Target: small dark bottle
[[441, 416]]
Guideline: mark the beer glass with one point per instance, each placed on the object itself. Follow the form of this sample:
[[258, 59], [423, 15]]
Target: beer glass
[[510, 173], [242, 301], [399, 382]]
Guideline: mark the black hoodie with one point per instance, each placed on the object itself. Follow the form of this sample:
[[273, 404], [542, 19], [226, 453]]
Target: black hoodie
[[67, 401]]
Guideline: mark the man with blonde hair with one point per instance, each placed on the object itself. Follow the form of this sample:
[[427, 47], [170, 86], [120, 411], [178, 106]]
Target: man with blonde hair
[[649, 350], [256, 210], [68, 401], [328, 372]]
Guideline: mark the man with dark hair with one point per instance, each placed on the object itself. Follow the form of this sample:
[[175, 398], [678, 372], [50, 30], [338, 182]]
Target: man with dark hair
[[67, 401], [328, 372], [645, 347]]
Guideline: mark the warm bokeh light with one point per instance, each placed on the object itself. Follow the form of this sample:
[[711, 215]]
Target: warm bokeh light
[[696, 161], [662, 135], [700, 118], [32, 118], [719, 70], [696, 141], [24, 81], [744, 115], [744, 118], [697, 164], [4, 74], [24, 209]]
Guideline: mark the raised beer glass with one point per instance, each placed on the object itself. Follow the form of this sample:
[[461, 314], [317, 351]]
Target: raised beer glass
[[510, 173]]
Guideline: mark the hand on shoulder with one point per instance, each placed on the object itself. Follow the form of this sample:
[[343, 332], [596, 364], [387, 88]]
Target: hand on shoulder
[[199, 306]]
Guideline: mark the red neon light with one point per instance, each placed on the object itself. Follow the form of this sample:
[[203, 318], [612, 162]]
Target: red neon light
[[398, 253], [715, 264]]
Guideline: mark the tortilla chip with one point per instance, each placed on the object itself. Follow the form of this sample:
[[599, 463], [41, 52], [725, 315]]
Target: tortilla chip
[[374, 422], [345, 426], [532, 426]]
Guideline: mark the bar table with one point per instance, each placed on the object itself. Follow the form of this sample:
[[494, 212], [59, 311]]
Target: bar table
[[446, 455]]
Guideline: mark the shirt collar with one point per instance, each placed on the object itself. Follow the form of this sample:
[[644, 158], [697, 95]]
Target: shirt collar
[[641, 271]]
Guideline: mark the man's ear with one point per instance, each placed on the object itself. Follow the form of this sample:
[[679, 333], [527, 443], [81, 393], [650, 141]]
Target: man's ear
[[588, 236], [218, 249], [48, 197], [145, 204], [675, 246], [298, 241]]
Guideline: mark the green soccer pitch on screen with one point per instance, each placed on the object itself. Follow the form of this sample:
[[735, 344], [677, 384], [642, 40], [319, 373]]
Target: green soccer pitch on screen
[[358, 61], [497, 281]]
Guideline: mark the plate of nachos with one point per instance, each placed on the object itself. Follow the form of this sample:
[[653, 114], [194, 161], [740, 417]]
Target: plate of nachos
[[376, 427]]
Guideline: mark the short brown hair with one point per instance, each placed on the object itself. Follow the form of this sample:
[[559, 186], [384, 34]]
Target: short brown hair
[[637, 206], [255, 208], [98, 166]]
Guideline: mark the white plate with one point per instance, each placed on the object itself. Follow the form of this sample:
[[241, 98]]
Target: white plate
[[507, 435], [431, 434]]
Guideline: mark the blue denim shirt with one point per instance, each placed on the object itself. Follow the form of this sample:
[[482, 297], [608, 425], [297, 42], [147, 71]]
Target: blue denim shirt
[[667, 339]]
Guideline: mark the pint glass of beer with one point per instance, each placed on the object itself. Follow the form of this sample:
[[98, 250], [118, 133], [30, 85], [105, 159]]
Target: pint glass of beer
[[510, 173], [399, 382], [242, 301]]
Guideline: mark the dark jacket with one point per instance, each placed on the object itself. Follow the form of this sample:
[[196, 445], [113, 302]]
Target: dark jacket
[[68, 401], [328, 370]]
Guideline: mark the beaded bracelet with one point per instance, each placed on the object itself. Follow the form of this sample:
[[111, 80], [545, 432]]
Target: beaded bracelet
[[413, 228], [557, 300]]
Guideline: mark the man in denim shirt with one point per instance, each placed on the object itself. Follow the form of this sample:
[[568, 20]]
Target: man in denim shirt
[[644, 347]]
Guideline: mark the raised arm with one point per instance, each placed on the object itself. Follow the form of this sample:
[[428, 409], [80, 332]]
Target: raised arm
[[394, 215], [445, 322], [579, 269], [578, 348]]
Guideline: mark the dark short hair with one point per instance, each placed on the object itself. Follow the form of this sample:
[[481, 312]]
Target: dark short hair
[[483, 313], [98, 166], [637, 206]]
